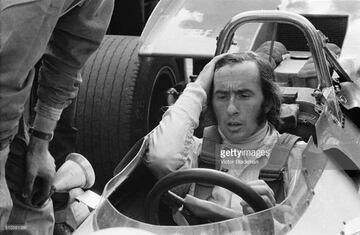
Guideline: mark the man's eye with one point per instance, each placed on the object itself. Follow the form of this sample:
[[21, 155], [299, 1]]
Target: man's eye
[[221, 96], [244, 95]]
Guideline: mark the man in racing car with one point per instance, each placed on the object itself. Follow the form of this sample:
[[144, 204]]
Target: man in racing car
[[64, 33], [246, 105]]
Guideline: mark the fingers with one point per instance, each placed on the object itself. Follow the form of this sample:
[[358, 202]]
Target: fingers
[[269, 202], [44, 192], [206, 76], [263, 189], [210, 66], [247, 209], [28, 187], [209, 210], [46, 177], [218, 57], [40, 172]]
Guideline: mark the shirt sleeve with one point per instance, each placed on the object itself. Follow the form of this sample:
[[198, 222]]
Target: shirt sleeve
[[76, 36], [172, 145]]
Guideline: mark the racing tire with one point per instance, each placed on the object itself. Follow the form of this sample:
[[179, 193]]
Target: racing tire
[[119, 101]]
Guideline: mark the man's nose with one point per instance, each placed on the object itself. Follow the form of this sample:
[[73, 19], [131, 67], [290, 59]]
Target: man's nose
[[231, 107]]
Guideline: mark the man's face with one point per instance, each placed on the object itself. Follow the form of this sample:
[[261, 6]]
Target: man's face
[[237, 100]]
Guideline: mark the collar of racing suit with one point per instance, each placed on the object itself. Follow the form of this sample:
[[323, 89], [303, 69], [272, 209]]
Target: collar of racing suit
[[263, 139]]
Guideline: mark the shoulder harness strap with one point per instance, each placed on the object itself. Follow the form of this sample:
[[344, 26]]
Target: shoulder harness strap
[[210, 155], [209, 158], [274, 173], [279, 157]]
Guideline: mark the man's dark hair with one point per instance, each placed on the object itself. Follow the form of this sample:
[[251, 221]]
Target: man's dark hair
[[272, 98]]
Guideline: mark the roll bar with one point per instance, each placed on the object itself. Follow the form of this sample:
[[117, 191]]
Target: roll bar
[[312, 35]]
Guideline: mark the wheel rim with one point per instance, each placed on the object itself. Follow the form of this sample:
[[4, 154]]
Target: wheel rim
[[165, 79]]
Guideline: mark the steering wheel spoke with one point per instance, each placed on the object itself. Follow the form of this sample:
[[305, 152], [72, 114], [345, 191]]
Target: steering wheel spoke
[[199, 175], [173, 200]]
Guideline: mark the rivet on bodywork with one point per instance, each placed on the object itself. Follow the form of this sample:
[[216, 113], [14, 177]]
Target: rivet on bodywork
[[342, 99]]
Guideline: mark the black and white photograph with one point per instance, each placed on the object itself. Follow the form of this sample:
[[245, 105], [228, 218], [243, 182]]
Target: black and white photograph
[[184, 117]]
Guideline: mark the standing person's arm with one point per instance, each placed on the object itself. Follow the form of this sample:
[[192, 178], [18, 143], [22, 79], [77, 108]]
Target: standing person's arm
[[76, 36]]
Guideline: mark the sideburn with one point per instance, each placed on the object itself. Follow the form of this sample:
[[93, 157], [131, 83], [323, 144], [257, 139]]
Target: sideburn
[[262, 115]]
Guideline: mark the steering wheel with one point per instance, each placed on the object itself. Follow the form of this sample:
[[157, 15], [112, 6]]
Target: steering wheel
[[200, 175]]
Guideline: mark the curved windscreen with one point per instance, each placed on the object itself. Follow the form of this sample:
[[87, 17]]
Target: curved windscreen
[[280, 218], [188, 28]]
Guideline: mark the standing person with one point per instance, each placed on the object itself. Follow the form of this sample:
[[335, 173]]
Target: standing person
[[64, 33]]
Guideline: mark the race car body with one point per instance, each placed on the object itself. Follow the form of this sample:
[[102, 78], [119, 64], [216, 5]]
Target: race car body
[[325, 195], [128, 77]]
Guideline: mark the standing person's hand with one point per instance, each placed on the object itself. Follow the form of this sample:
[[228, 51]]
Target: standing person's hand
[[206, 76], [40, 172]]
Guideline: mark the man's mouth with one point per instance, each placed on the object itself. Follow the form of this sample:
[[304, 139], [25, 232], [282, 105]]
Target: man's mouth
[[234, 125]]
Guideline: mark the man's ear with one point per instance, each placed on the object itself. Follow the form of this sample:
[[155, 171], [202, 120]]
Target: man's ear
[[267, 106], [207, 118]]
